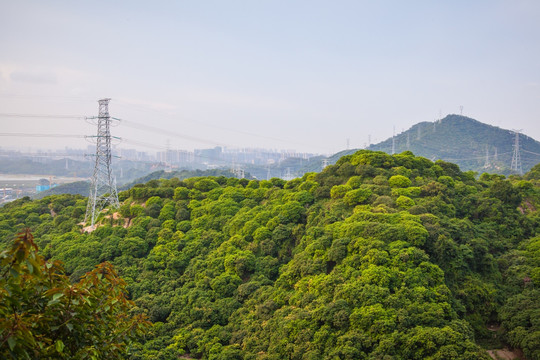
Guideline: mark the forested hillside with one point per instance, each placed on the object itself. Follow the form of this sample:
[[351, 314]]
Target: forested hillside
[[83, 187], [458, 139], [465, 141], [376, 257]]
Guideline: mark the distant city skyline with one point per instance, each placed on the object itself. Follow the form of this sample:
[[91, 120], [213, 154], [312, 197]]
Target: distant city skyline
[[302, 75]]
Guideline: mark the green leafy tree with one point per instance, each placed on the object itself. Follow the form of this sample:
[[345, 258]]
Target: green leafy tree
[[399, 181], [44, 316]]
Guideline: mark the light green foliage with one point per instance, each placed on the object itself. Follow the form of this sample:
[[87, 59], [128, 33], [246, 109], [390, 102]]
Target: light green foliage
[[446, 180], [308, 185], [154, 200], [205, 185], [339, 191], [357, 196], [412, 191], [404, 202], [355, 182], [399, 181], [349, 263], [380, 180], [181, 193], [167, 212]]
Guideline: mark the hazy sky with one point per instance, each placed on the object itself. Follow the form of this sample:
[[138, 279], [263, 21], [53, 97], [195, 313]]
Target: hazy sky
[[302, 75]]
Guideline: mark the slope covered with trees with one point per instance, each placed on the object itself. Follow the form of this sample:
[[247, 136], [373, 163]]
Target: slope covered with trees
[[465, 141], [458, 139], [377, 256]]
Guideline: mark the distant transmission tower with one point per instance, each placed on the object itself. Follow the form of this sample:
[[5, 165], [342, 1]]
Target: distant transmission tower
[[288, 175], [237, 170], [394, 141], [487, 164], [324, 163], [103, 187], [516, 157]]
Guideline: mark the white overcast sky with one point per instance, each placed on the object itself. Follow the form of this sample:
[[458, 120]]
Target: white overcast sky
[[302, 75]]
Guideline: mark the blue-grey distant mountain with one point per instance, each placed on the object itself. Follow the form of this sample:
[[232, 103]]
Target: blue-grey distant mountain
[[459, 139], [467, 142]]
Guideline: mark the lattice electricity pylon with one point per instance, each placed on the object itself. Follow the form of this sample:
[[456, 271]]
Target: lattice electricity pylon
[[516, 155], [103, 187]]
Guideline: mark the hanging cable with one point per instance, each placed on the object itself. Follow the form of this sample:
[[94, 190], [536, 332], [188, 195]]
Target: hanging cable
[[42, 135]]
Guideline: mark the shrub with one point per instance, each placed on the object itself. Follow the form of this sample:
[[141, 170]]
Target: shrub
[[399, 181]]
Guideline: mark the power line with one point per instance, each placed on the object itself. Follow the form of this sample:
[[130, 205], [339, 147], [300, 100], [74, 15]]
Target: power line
[[530, 152], [42, 135], [42, 116], [44, 155], [179, 117], [164, 148], [154, 129], [124, 140], [128, 123], [473, 158], [161, 131], [81, 98]]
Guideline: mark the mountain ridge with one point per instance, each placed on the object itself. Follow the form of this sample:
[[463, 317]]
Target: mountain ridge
[[470, 143], [458, 139]]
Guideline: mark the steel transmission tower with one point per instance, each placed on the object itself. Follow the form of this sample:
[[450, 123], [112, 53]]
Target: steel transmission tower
[[394, 141], [516, 157], [103, 187]]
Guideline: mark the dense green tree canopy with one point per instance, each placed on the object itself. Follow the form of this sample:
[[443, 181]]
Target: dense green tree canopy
[[378, 256]]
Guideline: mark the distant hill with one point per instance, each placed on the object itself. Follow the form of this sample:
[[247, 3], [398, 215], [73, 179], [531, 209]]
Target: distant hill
[[459, 139], [467, 142], [181, 174], [83, 187], [73, 188]]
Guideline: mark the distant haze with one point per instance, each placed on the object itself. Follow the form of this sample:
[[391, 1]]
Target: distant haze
[[304, 75]]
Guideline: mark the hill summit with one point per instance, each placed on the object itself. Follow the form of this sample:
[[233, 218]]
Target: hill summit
[[467, 142]]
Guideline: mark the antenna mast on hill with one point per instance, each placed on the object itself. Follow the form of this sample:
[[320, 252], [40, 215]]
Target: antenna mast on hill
[[516, 156], [103, 187]]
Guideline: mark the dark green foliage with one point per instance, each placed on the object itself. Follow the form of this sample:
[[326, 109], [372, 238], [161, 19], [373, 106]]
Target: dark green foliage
[[378, 256], [44, 316]]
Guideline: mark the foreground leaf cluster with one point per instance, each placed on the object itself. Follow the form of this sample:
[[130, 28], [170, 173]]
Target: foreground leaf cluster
[[44, 316]]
